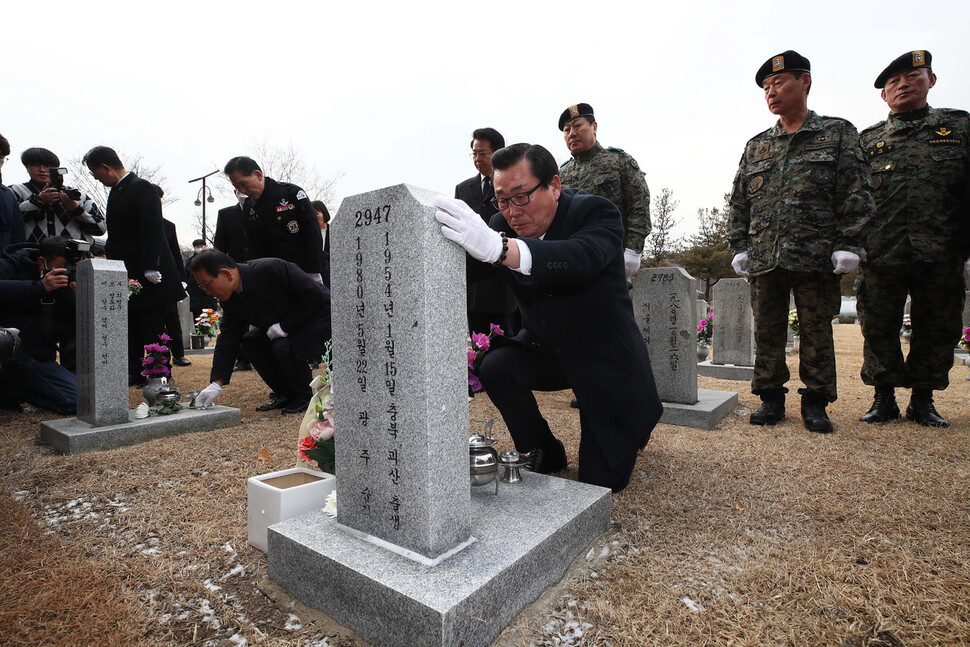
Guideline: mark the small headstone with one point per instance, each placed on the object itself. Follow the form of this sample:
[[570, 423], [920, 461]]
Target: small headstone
[[186, 322], [102, 342], [665, 306], [702, 307], [733, 323], [400, 372]]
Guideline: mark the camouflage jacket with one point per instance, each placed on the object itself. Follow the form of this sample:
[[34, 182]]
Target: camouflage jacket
[[798, 197], [615, 175], [921, 184]]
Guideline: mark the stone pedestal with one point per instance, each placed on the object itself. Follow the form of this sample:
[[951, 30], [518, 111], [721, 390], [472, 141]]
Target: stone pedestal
[[525, 539]]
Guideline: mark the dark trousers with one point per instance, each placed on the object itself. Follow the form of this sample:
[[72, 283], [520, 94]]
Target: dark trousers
[[277, 364], [510, 373], [817, 300], [144, 327], [937, 294], [47, 385], [173, 328]]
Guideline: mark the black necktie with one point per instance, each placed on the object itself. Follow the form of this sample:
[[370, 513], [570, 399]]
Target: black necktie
[[486, 185]]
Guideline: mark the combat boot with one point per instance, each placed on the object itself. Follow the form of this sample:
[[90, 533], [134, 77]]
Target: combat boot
[[772, 410], [921, 410], [813, 413], [884, 407]]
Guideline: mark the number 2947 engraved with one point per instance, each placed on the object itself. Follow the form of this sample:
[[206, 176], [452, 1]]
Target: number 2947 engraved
[[367, 217]]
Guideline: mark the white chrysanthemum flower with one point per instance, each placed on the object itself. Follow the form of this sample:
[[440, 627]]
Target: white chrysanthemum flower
[[330, 507]]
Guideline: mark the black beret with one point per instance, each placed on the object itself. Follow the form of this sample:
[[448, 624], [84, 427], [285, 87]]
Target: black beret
[[578, 110], [790, 61], [908, 61]]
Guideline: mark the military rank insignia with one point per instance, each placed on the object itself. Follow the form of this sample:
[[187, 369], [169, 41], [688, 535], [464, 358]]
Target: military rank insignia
[[301, 195], [880, 148], [943, 132], [293, 227], [763, 152], [778, 63], [573, 112], [919, 58], [755, 183], [284, 205]]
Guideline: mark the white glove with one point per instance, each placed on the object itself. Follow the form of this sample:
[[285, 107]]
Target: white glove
[[844, 262], [966, 266], [184, 285], [463, 226], [631, 261], [740, 264], [316, 277], [153, 275], [275, 332], [207, 396]]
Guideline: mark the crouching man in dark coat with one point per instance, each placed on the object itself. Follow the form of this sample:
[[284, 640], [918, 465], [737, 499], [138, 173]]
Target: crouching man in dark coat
[[290, 315], [561, 253]]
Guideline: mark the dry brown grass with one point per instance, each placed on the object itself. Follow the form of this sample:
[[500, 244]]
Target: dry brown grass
[[778, 535]]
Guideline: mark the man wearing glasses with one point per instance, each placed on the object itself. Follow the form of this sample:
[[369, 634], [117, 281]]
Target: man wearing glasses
[[560, 251], [488, 300], [290, 317]]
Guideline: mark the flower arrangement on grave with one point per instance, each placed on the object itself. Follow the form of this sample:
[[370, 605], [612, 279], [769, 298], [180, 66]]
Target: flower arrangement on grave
[[705, 328], [907, 324], [965, 340], [317, 429], [480, 345], [134, 287], [207, 323], [158, 358], [793, 321]]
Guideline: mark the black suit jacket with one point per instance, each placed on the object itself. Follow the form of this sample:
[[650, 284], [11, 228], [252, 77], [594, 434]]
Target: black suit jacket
[[273, 291], [489, 294], [136, 236], [230, 235], [171, 239], [576, 309]]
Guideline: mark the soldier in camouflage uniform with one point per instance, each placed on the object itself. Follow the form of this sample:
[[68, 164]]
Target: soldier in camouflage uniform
[[918, 245], [607, 172], [799, 204]]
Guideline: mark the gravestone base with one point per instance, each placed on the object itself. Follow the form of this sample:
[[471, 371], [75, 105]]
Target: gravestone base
[[71, 436], [525, 540], [710, 408], [725, 371]]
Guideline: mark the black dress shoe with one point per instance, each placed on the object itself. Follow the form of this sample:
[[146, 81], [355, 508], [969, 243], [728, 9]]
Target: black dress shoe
[[277, 402], [574, 403], [242, 365], [296, 405], [548, 458], [813, 413], [884, 407], [922, 412], [181, 361], [771, 412]]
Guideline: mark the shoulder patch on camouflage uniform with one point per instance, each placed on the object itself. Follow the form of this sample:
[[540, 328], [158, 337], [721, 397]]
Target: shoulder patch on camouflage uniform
[[564, 163], [614, 148]]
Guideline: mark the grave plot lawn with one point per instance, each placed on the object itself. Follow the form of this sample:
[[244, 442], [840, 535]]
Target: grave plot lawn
[[739, 535]]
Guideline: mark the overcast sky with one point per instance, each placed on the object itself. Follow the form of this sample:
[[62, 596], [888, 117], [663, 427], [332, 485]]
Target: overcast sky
[[382, 93]]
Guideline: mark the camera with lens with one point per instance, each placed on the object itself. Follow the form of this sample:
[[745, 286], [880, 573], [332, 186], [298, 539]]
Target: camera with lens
[[9, 343], [57, 181], [76, 251]]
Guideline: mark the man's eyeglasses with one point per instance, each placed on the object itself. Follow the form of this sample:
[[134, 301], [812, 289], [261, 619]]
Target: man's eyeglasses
[[475, 154], [519, 199], [205, 286]]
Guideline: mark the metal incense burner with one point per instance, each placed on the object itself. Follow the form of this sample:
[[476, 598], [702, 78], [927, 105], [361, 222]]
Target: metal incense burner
[[482, 460], [511, 461]]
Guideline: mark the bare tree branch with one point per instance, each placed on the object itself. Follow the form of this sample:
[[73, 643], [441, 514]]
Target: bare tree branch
[[80, 178]]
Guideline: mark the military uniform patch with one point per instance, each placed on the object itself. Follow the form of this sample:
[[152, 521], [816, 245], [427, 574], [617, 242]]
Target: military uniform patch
[[301, 195], [919, 58], [763, 152], [755, 183], [293, 227], [778, 63], [943, 132], [876, 181], [880, 148], [573, 111]]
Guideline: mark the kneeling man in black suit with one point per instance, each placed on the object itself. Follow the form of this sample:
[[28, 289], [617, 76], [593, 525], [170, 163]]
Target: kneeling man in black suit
[[290, 315], [561, 253]]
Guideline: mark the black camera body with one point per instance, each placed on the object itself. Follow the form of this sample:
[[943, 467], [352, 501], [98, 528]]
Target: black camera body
[[76, 251], [9, 343], [57, 181]]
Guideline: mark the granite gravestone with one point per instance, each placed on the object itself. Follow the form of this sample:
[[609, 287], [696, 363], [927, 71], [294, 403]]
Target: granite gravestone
[[733, 323], [102, 342], [665, 304], [186, 322], [398, 324]]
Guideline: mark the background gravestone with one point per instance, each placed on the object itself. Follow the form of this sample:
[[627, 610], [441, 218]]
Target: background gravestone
[[733, 323], [186, 322], [665, 303], [399, 356], [102, 342]]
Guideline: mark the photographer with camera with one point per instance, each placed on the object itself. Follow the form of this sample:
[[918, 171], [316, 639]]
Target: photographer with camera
[[49, 208], [37, 298]]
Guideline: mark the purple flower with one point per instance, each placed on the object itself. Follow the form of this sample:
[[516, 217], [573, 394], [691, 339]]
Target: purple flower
[[700, 328], [480, 341], [495, 328], [471, 356], [147, 361], [164, 337], [474, 382], [703, 322]]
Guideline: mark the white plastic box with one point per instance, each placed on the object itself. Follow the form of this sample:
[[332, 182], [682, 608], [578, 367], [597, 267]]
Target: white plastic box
[[281, 495]]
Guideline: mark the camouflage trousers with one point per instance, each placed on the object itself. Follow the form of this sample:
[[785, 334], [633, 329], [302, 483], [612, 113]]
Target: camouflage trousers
[[817, 300], [937, 293]]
